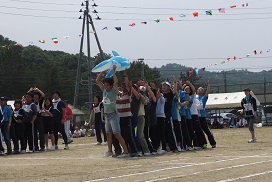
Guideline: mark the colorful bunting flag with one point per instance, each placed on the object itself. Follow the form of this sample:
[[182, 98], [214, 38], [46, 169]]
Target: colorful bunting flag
[[255, 52], [55, 40], [248, 55], [118, 28], [222, 10], [157, 21], [223, 62], [209, 12], [182, 15], [132, 24], [171, 18], [144, 22], [268, 50], [261, 52], [233, 6], [195, 14], [228, 59], [42, 41], [234, 58], [105, 28]]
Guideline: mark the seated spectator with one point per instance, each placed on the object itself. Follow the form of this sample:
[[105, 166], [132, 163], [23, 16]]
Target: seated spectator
[[77, 133], [91, 131], [83, 131]]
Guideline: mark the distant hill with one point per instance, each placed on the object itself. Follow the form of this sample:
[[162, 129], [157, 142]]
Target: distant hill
[[235, 80]]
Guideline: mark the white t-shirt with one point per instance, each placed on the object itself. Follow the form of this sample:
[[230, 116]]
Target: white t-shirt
[[83, 131], [193, 108], [78, 132]]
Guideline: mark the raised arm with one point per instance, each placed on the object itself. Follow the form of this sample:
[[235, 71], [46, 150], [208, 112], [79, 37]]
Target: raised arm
[[126, 80], [191, 86], [208, 88], [115, 84], [98, 79], [38, 90]]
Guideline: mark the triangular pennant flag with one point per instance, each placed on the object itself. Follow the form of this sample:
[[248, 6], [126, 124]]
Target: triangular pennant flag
[[182, 15], [228, 59], [42, 41], [233, 6], [195, 14], [209, 12], [144, 22], [246, 4], [223, 62], [247, 55], [157, 21], [118, 28], [105, 28], [234, 58], [255, 52], [222, 10], [261, 52], [171, 18], [132, 24], [55, 40]]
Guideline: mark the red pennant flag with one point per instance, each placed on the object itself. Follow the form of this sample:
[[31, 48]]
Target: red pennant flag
[[195, 14], [171, 18], [132, 24], [234, 58], [228, 59], [234, 6], [144, 22], [243, 5]]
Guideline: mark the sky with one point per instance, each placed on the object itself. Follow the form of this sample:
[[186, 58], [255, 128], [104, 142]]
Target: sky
[[198, 42]]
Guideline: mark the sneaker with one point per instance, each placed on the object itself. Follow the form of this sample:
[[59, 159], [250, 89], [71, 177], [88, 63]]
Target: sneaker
[[179, 148], [66, 147], [46, 148], [147, 154], [16, 152], [56, 147], [197, 148], [123, 155], [107, 154], [2, 153], [133, 155], [252, 140], [205, 146], [190, 148], [139, 154], [98, 143], [41, 149], [23, 151], [115, 155], [160, 151], [154, 153], [30, 151], [52, 148], [105, 143], [213, 146]]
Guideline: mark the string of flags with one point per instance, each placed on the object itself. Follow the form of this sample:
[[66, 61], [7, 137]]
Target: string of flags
[[234, 58], [208, 12]]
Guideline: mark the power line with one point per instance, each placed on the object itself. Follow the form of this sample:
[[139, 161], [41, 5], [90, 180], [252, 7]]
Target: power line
[[36, 9], [38, 2], [38, 16], [179, 9], [184, 20], [171, 14]]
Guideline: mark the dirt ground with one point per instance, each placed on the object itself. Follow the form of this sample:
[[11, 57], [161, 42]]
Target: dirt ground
[[234, 159]]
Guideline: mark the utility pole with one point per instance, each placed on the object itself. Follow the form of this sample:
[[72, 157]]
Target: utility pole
[[88, 20], [225, 81]]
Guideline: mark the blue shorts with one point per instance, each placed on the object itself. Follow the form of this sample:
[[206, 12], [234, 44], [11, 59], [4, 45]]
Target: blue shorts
[[112, 123]]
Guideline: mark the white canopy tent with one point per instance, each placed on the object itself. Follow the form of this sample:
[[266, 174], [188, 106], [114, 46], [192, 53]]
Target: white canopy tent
[[227, 100]]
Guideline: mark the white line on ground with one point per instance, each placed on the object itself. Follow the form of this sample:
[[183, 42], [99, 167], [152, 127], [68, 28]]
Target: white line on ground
[[169, 168], [212, 170], [244, 177]]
